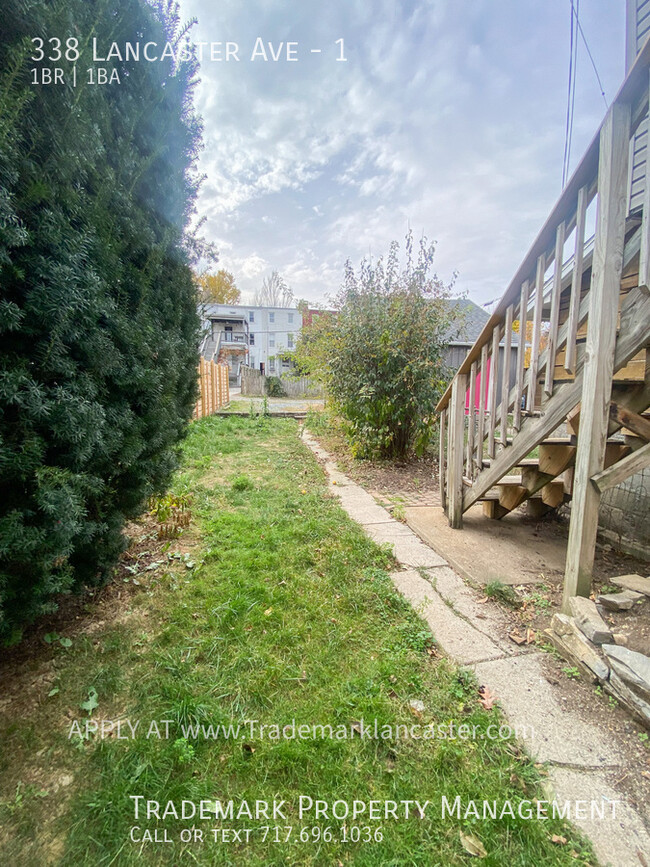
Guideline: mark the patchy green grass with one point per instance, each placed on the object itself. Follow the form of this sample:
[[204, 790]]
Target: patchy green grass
[[273, 607]]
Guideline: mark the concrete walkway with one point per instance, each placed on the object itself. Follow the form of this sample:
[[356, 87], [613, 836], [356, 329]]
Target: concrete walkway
[[579, 756]]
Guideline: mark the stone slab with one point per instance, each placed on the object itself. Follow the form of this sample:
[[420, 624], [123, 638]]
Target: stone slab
[[632, 667], [622, 601], [577, 650], [634, 703], [551, 733], [632, 582], [589, 621], [620, 834], [456, 637]]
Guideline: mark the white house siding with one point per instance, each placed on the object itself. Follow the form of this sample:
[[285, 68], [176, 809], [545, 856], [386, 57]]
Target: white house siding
[[271, 329], [638, 30]]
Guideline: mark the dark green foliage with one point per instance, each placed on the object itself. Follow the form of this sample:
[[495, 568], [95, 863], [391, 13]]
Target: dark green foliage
[[382, 355], [98, 322], [274, 387]]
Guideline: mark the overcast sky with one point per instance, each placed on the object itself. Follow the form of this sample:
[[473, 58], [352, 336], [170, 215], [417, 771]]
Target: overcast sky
[[448, 115]]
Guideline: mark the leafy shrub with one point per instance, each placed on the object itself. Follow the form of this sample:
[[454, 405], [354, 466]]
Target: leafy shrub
[[274, 387], [98, 321], [382, 355]]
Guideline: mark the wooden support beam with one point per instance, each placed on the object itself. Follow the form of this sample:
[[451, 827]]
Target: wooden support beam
[[631, 420], [556, 291], [570, 359], [505, 376], [601, 346], [623, 469], [521, 354], [456, 441], [533, 480], [494, 510], [537, 333]]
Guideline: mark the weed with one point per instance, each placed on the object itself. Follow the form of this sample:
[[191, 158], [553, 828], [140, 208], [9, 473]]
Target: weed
[[572, 672], [54, 637], [183, 751], [503, 593], [399, 513], [242, 483]]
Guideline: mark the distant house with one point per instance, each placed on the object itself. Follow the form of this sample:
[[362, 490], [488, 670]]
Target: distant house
[[237, 334]]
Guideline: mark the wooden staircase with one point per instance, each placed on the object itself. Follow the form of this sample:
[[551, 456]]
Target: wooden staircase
[[538, 429], [543, 483]]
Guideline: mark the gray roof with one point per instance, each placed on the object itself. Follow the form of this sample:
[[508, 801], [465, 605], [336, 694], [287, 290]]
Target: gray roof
[[474, 321]]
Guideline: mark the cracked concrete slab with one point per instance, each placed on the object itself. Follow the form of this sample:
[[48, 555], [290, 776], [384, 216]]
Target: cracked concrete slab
[[488, 620], [456, 637], [616, 831], [553, 734], [407, 548]]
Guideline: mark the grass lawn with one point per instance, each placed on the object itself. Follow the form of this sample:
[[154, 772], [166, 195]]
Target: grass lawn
[[273, 606]]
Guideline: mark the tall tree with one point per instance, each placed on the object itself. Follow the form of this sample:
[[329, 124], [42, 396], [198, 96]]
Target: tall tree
[[98, 321], [219, 288], [274, 293]]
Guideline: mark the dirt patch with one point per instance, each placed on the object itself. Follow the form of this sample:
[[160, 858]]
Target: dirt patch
[[412, 481], [29, 666]]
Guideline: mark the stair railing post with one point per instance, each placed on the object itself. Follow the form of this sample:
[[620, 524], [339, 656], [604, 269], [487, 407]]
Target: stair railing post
[[455, 452], [600, 348]]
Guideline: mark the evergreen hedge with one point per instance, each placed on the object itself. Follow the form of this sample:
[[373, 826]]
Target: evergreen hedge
[[98, 321]]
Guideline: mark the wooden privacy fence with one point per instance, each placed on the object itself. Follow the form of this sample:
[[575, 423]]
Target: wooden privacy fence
[[213, 388]]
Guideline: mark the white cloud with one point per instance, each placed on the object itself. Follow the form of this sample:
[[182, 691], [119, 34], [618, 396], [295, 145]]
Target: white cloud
[[448, 116]]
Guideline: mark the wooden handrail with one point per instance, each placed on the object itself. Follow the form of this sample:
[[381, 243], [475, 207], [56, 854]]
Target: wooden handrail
[[634, 91]]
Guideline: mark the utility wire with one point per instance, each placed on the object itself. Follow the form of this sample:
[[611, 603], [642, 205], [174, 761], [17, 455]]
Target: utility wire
[[568, 128], [593, 62]]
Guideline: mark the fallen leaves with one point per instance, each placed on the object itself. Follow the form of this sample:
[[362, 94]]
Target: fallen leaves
[[472, 845], [486, 697], [520, 639]]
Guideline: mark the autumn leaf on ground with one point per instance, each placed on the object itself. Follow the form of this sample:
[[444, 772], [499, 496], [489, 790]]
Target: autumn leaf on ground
[[557, 839], [486, 697], [472, 845], [516, 637]]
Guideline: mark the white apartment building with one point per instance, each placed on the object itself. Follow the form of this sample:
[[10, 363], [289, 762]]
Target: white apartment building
[[238, 334]]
